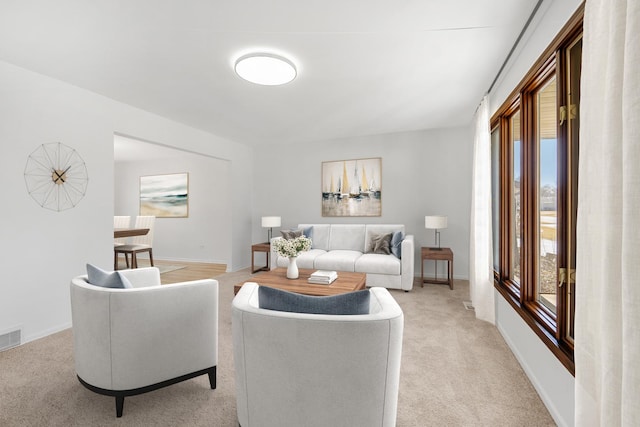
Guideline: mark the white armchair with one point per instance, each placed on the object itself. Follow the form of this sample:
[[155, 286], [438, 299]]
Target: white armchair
[[130, 341], [298, 369]]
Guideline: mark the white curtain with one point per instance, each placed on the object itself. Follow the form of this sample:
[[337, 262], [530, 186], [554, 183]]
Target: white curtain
[[481, 253], [607, 321]]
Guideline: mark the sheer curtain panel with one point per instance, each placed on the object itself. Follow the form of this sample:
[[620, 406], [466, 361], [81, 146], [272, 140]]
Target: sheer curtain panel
[[607, 321], [481, 253]]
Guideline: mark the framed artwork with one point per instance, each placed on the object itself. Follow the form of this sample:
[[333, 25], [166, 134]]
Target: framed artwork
[[352, 187], [165, 196]]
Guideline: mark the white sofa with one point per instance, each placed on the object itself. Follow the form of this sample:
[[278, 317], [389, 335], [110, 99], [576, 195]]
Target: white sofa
[[342, 247], [130, 341], [316, 370]]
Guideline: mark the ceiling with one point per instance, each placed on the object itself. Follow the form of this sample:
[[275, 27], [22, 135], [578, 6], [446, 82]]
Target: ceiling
[[364, 66]]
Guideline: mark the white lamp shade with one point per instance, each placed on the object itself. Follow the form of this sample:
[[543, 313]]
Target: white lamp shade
[[271, 221], [435, 222]]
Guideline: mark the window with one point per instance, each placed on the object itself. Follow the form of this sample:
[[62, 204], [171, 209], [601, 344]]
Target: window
[[495, 196], [535, 142], [515, 219], [547, 188]]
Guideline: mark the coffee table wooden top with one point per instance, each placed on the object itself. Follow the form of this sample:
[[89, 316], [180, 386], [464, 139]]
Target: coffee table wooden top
[[346, 282]]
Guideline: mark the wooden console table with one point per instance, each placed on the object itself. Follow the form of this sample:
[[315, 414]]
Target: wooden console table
[[442, 254], [260, 247]]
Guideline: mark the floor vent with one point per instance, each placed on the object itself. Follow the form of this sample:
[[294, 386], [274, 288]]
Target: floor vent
[[10, 339], [468, 305]]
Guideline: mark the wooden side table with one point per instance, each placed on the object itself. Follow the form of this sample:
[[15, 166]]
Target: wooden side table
[[442, 254], [260, 247]]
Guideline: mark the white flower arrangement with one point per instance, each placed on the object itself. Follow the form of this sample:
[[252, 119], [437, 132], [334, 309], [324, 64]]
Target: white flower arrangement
[[292, 247]]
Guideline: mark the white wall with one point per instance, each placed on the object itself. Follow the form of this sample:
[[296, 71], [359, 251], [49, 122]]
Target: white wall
[[552, 380], [44, 249], [551, 17], [423, 173], [204, 235]]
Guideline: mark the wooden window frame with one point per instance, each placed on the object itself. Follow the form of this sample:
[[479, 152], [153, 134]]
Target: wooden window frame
[[549, 327]]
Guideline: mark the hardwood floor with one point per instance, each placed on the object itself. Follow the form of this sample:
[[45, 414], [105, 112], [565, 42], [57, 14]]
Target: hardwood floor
[[191, 271]]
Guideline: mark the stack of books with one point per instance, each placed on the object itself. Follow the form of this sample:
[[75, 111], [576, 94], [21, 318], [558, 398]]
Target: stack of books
[[323, 277]]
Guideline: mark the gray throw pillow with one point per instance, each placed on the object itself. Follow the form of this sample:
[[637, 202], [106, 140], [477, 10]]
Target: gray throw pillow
[[396, 243], [344, 304], [291, 234], [98, 277], [380, 244]]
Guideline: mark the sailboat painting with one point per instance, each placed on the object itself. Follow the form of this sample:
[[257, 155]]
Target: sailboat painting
[[352, 187], [165, 196]]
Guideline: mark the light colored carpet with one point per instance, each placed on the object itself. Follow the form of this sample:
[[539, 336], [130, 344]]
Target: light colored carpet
[[456, 371]]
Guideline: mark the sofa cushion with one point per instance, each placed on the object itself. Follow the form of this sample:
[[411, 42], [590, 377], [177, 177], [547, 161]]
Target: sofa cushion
[[320, 238], [378, 264], [350, 303], [105, 279], [347, 236], [396, 243], [339, 260], [380, 244], [304, 260]]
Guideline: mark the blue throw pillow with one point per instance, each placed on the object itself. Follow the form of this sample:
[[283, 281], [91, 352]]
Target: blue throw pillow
[[98, 277], [279, 300], [308, 233], [396, 243]]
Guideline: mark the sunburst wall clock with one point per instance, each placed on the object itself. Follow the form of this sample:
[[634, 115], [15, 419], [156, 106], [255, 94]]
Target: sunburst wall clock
[[56, 176]]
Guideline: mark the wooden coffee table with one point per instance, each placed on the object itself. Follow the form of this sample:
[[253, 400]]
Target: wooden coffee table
[[346, 282]]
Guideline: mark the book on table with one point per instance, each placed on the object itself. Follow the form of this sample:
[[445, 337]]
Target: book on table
[[323, 277]]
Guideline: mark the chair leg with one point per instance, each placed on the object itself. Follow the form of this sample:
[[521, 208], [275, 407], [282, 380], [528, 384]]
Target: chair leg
[[119, 405], [126, 259], [134, 260], [151, 257], [115, 260], [212, 377]]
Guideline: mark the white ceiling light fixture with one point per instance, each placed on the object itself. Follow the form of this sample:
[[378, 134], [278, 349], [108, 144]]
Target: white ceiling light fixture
[[265, 69]]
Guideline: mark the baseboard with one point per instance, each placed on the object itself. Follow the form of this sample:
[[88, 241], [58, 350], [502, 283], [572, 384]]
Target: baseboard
[[205, 261], [45, 333], [455, 276]]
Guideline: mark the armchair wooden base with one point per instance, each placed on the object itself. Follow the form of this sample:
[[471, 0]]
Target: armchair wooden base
[[121, 394]]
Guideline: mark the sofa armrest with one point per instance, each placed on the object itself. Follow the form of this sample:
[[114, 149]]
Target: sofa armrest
[[408, 262]]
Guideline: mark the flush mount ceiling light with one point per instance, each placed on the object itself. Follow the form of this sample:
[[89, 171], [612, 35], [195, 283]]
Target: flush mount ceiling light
[[265, 69]]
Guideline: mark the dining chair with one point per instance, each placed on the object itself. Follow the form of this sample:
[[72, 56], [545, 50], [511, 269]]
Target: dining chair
[[121, 221], [138, 244]]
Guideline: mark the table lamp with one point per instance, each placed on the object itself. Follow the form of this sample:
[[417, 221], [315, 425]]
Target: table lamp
[[435, 222], [270, 222]]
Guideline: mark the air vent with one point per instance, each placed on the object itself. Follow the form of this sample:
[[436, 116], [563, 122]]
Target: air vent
[[10, 339], [468, 305]]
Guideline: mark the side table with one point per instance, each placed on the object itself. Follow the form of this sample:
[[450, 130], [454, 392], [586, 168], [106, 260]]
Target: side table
[[260, 247], [437, 254]]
